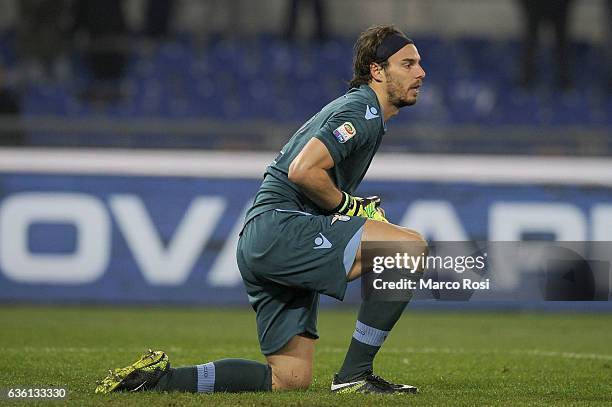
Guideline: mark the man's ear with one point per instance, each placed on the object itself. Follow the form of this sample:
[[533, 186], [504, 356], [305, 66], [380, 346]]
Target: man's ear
[[377, 72]]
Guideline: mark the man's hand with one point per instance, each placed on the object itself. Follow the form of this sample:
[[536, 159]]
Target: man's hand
[[364, 207]]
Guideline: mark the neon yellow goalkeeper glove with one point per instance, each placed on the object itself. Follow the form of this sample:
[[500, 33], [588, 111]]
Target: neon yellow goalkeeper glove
[[364, 207]]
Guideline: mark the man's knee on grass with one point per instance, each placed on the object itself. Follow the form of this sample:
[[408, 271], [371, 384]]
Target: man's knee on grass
[[291, 378], [292, 365]]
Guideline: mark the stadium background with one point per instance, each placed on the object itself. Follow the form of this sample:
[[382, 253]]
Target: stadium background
[[140, 131]]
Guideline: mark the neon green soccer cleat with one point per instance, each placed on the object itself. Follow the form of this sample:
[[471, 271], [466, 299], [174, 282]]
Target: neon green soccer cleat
[[140, 375]]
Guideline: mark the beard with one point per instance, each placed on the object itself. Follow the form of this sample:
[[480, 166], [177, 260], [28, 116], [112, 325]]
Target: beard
[[397, 96]]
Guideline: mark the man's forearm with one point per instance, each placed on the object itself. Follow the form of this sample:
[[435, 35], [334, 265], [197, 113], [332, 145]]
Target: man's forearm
[[318, 186]]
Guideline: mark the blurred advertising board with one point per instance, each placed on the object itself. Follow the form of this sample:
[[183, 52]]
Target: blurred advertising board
[[157, 227]]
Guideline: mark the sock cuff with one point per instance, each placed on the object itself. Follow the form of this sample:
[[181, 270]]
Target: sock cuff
[[206, 377], [369, 335]]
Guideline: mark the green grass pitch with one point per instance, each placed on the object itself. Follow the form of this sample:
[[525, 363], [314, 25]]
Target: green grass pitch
[[456, 358]]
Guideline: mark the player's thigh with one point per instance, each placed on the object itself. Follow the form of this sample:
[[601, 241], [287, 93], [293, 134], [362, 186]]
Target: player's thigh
[[375, 231], [292, 364]]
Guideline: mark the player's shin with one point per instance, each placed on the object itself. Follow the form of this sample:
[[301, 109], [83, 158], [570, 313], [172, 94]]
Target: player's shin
[[374, 322], [226, 375]]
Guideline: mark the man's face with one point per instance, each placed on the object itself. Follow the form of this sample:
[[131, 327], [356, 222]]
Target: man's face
[[404, 76]]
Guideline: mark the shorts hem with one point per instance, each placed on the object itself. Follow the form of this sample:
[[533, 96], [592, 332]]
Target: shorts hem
[[278, 347]]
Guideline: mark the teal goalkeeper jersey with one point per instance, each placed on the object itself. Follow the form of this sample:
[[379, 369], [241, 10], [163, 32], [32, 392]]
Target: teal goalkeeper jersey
[[351, 127]]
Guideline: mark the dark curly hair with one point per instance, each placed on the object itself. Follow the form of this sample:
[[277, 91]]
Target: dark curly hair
[[364, 52]]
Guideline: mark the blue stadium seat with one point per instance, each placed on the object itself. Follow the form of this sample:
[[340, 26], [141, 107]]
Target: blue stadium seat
[[470, 81]]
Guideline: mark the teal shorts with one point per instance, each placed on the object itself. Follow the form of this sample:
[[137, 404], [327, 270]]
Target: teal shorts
[[287, 258]]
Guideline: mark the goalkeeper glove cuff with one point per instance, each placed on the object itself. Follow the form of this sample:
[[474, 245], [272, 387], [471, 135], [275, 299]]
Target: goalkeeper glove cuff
[[344, 205], [364, 207]]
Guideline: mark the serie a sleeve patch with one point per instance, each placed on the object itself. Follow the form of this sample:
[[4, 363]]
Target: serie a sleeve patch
[[345, 132]]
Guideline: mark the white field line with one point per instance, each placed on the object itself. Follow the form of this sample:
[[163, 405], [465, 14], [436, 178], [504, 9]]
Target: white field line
[[400, 351], [248, 164], [517, 352]]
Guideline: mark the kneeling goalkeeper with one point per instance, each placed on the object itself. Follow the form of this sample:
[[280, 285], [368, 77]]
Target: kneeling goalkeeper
[[302, 237]]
